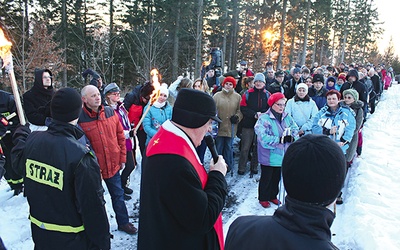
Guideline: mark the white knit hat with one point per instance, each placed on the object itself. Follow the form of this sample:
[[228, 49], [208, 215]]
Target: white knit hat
[[164, 89], [302, 85]]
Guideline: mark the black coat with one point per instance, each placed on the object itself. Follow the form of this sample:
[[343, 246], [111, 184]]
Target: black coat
[[63, 187], [253, 100], [37, 100], [175, 212], [293, 226]]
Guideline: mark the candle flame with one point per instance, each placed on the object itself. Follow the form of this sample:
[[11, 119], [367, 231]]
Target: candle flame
[[155, 80], [5, 49]]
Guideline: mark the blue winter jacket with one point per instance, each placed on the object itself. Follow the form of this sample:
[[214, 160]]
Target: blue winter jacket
[[343, 118], [155, 118], [269, 133], [302, 113], [319, 97]]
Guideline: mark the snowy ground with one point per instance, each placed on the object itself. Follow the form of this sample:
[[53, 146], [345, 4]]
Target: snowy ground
[[368, 219]]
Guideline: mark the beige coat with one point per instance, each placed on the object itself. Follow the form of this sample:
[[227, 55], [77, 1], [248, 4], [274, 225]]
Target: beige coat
[[228, 104]]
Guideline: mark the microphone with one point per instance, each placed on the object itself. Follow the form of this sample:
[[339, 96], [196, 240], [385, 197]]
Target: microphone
[[211, 146]]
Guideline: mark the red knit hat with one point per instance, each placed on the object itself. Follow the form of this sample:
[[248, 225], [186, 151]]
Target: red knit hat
[[342, 76], [274, 98], [229, 79]]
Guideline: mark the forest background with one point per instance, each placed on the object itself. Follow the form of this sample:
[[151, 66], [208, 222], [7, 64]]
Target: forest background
[[124, 40]]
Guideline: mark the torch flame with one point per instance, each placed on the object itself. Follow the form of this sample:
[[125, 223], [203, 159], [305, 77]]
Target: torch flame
[[155, 80], [5, 49]]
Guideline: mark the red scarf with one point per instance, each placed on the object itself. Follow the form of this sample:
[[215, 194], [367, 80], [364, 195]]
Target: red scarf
[[161, 144]]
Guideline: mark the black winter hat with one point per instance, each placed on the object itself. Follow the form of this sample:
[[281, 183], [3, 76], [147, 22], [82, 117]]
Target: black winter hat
[[318, 78], [193, 108], [352, 72], [313, 170], [66, 105]]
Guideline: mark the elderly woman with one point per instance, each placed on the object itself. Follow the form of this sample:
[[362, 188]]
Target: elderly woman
[[351, 100], [335, 121], [275, 130], [228, 109], [112, 98], [302, 108]]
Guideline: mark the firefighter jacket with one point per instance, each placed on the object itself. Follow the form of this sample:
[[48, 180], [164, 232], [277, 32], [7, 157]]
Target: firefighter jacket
[[63, 188]]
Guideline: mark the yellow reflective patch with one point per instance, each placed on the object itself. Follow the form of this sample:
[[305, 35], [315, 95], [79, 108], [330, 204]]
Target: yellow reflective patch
[[55, 227], [16, 181], [5, 114], [45, 174]]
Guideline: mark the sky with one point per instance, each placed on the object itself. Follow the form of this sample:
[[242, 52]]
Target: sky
[[368, 219], [389, 11]]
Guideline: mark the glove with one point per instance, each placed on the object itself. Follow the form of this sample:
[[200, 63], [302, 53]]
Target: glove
[[234, 119], [287, 139], [132, 133], [126, 134], [326, 131]]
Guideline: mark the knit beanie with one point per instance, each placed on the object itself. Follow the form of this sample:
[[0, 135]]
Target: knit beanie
[[164, 89], [352, 92], [342, 76], [66, 105], [229, 79], [302, 85], [313, 170], [296, 70], [193, 108], [259, 77], [274, 98], [110, 88], [318, 78]]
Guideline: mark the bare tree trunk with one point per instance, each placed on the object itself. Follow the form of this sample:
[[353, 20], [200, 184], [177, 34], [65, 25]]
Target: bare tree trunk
[[345, 35], [199, 36], [224, 44], [315, 42], [333, 47], [110, 43], [281, 43], [235, 29], [303, 58], [64, 32], [175, 63], [25, 34]]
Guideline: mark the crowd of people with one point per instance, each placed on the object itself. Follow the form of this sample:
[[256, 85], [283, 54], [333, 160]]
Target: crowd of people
[[75, 140]]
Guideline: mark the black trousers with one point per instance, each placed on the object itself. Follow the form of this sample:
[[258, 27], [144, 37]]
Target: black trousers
[[268, 187], [129, 167]]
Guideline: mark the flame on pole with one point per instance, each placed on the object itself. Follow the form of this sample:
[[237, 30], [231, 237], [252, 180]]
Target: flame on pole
[[155, 79], [5, 54]]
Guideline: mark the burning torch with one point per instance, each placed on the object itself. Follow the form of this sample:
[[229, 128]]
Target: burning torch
[[5, 54], [155, 80]]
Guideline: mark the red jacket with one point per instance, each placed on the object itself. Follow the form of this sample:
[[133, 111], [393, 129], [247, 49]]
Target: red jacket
[[107, 139]]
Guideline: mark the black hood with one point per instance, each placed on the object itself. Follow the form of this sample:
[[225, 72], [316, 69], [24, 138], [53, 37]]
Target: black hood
[[352, 72], [39, 77]]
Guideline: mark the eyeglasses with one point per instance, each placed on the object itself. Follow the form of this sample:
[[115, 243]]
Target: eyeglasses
[[280, 104], [47, 77], [115, 93]]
